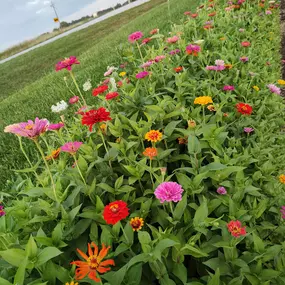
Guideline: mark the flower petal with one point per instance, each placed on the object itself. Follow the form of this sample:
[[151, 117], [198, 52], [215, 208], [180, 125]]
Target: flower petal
[[82, 254]]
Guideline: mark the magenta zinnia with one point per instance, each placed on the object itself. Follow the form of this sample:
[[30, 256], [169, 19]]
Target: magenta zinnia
[[28, 129], [142, 74], [169, 191], [71, 147], [66, 63], [55, 127], [135, 36]]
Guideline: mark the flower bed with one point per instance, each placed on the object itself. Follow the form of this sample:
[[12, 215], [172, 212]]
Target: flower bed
[[172, 176]]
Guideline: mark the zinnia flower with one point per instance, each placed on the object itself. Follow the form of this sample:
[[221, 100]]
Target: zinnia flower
[[187, 13], [95, 116], [159, 58], [169, 191], [248, 130], [147, 64], [222, 191], [109, 70], [150, 152], [244, 108], [282, 178], [203, 100], [142, 74], [137, 223], [28, 129], [282, 210], [2, 212], [256, 88], [71, 147], [123, 73], [54, 154], [55, 127], [93, 262], [66, 63], [193, 50], [173, 52], [153, 136], [154, 31], [59, 107], [229, 88], [243, 58], [194, 16], [178, 69], [111, 95], [274, 89], [281, 82], [115, 212], [135, 36], [212, 14], [71, 283], [87, 85], [236, 229], [245, 44], [173, 40], [99, 90], [73, 100], [219, 62]]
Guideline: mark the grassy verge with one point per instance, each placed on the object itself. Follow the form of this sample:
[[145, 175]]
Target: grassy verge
[[44, 87]]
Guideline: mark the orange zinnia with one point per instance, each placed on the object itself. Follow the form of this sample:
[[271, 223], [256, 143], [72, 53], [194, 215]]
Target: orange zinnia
[[151, 152], [93, 263], [153, 136], [54, 154]]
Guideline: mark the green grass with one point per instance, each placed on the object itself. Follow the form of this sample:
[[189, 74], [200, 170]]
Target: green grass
[[29, 85]]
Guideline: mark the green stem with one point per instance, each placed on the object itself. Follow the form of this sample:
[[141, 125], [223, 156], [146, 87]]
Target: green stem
[[204, 119], [171, 209], [140, 52], [77, 87], [79, 171], [48, 169], [150, 166], [124, 233], [105, 146]]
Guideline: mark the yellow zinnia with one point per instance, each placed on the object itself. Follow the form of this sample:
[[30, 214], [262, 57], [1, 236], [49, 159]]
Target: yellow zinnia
[[137, 223], [153, 136], [203, 100], [256, 88], [123, 73], [71, 283], [282, 178], [281, 82]]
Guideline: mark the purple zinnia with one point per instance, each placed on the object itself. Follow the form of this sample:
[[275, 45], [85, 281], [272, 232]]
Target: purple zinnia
[[222, 191], [2, 212], [142, 74], [169, 191], [55, 127], [229, 88], [248, 130], [274, 89]]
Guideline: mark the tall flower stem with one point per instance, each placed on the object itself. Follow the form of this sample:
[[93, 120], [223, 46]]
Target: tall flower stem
[[77, 87], [48, 169], [105, 146], [140, 52], [150, 172], [171, 209], [203, 107], [79, 171], [27, 158]]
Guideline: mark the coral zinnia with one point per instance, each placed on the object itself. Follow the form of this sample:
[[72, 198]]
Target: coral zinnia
[[111, 95], [236, 229], [203, 100], [99, 90], [151, 152], [92, 117], [137, 223], [93, 263], [115, 212], [244, 108], [178, 69], [245, 44], [169, 191], [153, 136]]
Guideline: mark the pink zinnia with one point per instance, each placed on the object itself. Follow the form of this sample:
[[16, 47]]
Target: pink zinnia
[[142, 74], [145, 41], [193, 49], [66, 63], [282, 210], [73, 100], [229, 88], [71, 147], [169, 191], [274, 89], [173, 52], [28, 129], [245, 44], [173, 40], [243, 59], [55, 127], [159, 58], [248, 130], [135, 36], [219, 62], [222, 191], [147, 64], [2, 212], [154, 31], [268, 12]]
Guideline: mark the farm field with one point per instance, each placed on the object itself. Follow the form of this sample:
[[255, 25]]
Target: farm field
[[155, 157]]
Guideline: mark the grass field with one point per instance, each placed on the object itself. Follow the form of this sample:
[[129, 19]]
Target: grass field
[[29, 85]]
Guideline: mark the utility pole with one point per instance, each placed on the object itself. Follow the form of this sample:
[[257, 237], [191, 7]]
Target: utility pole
[[56, 19]]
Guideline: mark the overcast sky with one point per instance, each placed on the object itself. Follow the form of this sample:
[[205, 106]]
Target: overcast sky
[[25, 19]]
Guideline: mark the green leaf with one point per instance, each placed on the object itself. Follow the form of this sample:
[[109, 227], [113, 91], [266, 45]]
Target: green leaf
[[180, 271], [14, 256], [201, 214], [161, 246], [83, 165], [31, 248], [4, 282], [194, 146], [258, 243], [215, 280], [268, 274], [46, 254], [170, 128], [193, 251], [119, 182], [180, 208], [20, 274]]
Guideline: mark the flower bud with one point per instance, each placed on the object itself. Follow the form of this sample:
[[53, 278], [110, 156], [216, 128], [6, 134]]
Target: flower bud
[[191, 124]]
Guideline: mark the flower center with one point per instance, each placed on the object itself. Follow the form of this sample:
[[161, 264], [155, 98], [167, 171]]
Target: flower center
[[244, 108], [29, 127], [236, 230], [93, 262], [114, 208]]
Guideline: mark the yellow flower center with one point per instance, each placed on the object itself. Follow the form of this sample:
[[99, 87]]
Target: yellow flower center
[[114, 208], [93, 262], [29, 127]]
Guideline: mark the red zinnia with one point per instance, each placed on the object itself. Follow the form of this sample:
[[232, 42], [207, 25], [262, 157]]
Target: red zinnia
[[178, 69], [115, 212], [234, 227], [99, 90], [244, 108], [194, 16], [111, 95], [95, 116]]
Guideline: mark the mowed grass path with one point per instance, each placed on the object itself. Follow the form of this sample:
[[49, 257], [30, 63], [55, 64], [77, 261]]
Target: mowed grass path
[[29, 85]]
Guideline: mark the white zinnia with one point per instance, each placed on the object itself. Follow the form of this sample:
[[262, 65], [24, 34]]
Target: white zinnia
[[60, 106], [219, 62], [87, 85], [113, 84]]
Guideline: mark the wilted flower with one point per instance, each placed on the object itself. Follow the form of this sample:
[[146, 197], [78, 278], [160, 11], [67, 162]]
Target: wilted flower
[[222, 191], [153, 136], [211, 108], [137, 223], [159, 58], [191, 124], [142, 74], [28, 129], [236, 229], [66, 63], [154, 31], [268, 12], [59, 107], [150, 152], [115, 212], [203, 100], [274, 89], [173, 40], [87, 85], [81, 110], [145, 41], [2, 212], [194, 15], [73, 100], [71, 147], [55, 127], [241, 30], [248, 130], [219, 62], [147, 64], [169, 192], [135, 36]]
